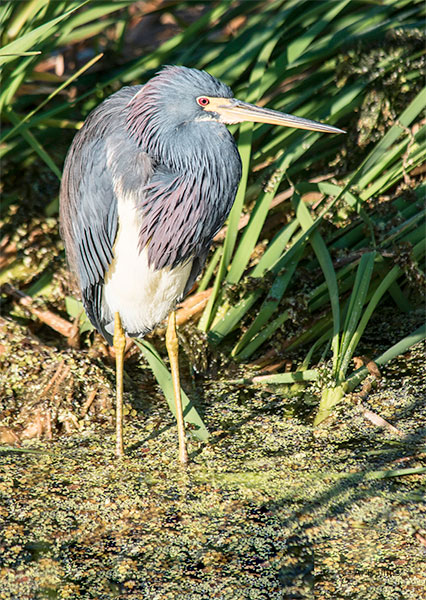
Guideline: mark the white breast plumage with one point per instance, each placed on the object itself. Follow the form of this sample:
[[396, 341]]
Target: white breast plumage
[[142, 296]]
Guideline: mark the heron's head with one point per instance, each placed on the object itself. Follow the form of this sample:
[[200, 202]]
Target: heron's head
[[172, 109], [178, 95]]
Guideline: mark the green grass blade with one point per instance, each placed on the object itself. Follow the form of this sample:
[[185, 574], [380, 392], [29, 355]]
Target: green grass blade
[[280, 378], [257, 339], [30, 39], [395, 473], [161, 55], [383, 287], [326, 264], [210, 269], [275, 250], [268, 307], [22, 16], [298, 46], [229, 321], [52, 95], [35, 144], [356, 305], [267, 262], [319, 342], [164, 379]]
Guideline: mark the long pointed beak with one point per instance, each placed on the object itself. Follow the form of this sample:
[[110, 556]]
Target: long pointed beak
[[232, 110]]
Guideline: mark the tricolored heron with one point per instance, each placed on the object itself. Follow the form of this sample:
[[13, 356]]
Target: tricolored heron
[[148, 182]]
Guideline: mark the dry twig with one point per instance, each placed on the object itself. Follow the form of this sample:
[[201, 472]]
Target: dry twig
[[47, 317]]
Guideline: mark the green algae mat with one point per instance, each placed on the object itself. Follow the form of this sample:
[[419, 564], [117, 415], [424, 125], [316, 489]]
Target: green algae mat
[[269, 508]]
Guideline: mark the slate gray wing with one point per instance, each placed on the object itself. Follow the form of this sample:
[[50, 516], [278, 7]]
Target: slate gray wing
[[88, 201]]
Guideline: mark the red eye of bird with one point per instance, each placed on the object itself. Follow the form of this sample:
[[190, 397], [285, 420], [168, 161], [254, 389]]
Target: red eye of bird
[[203, 101]]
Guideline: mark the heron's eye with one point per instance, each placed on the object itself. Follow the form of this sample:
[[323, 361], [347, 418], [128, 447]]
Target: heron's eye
[[202, 101]]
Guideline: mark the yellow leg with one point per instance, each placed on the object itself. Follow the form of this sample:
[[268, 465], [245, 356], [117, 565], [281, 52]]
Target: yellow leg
[[119, 341], [173, 350]]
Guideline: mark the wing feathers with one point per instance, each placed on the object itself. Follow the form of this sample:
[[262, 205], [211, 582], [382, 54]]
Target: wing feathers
[[88, 201]]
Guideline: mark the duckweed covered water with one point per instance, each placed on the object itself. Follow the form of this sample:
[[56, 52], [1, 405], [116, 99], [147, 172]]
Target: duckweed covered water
[[268, 509]]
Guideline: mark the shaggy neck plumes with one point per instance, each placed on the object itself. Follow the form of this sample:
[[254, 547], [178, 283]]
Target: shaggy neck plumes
[[193, 185]]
